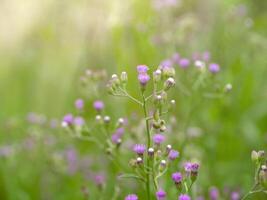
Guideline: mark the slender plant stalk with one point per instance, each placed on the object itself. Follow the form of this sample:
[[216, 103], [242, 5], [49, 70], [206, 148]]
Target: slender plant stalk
[[148, 145]]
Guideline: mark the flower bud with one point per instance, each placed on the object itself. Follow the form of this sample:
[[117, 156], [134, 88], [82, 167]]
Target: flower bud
[[150, 152], [228, 87], [162, 165], [139, 161], [156, 124], [168, 71], [115, 80], [107, 119], [263, 176], [168, 148], [98, 118], [169, 83], [120, 121], [124, 77], [261, 155], [158, 100], [157, 76], [254, 156]]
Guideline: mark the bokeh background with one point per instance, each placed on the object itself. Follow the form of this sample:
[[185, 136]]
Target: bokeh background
[[45, 45]]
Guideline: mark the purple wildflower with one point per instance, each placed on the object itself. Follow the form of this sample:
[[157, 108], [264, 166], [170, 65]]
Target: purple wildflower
[[214, 193], [158, 138], [184, 63], [98, 105], [71, 156], [187, 167], [206, 56], [166, 63], [214, 68], [235, 196], [79, 104], [194, 167], [173, 154], [99, 179], [116, 138], [131, 197], [78, 121], [143, 78], [139, 149], [184, 197], [177, 177], [68, 118], [142, 69], [176, 58], [161, 194], [120, 131]]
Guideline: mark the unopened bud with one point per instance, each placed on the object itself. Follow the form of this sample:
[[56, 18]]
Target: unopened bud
[[254, 156], [168, 148], [106, 119], [228, 87], [115, 80], [121, 121], [98, 118], [139, 160], [151, 151], [157, 75], [169, 83], [124, 77], [163, 163]]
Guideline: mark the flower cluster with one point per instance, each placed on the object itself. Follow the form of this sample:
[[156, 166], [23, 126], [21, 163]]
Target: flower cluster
[[153, 158]]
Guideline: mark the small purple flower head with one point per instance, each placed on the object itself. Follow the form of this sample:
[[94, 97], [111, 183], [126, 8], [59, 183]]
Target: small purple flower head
[[166, 63], [158, 138], [184, 63], [177, 177], [139, 149], [78, 121], [143, 78], [116, 138], [194, 167], [79, 104], [235, 196], [188, 166], [161, 194], [176, 58], [131, 197], [214, 193], [173, 154], [99, 179], [214, 68], [68, 118], [184, 197], [99, 105], [206, 56], [142, 69], [120, 131]]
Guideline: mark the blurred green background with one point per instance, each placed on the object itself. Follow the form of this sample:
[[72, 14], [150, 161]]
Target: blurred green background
[[46, 45]]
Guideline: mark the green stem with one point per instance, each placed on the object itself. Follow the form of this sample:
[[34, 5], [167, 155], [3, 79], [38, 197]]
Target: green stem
[[148, 145], [251, 193]]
